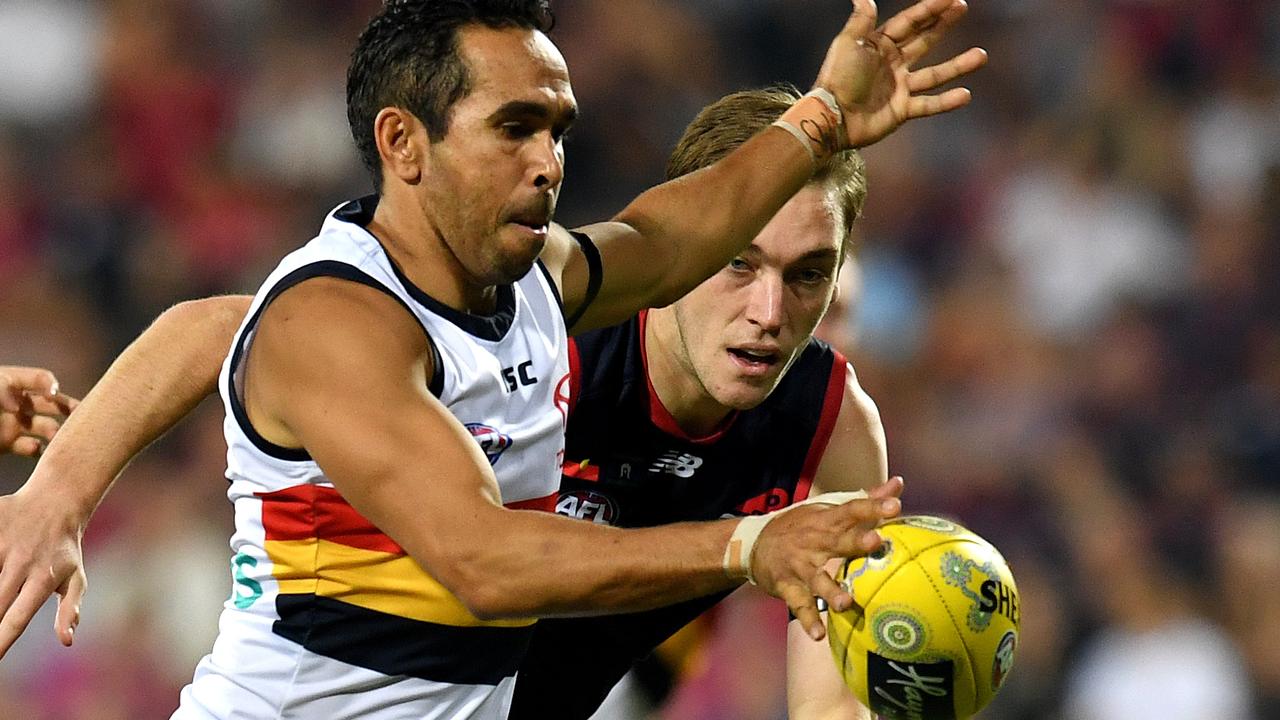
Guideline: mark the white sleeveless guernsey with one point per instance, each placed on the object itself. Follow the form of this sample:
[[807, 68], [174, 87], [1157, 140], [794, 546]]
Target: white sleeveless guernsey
[[329, 618]]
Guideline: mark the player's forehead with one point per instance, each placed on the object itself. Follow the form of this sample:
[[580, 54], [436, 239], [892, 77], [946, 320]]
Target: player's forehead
[[807, 228], [515, 65]]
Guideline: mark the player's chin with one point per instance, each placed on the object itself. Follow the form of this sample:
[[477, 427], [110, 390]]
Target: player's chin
[[519, 252], [744, 393]]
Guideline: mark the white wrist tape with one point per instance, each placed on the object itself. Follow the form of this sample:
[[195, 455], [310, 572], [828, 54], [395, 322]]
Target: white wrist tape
[[742, 544], [812, 117]]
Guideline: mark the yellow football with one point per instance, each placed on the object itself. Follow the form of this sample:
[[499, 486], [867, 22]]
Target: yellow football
[[934, 625]]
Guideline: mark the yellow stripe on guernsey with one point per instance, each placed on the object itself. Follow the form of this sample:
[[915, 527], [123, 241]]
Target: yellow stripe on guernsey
[[380, 581]]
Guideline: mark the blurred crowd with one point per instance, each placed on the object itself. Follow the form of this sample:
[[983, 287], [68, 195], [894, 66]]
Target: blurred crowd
[[1066, 304]]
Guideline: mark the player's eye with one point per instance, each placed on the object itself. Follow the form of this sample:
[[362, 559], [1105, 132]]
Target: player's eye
[[812, 276], [739, 265], [516, 130]]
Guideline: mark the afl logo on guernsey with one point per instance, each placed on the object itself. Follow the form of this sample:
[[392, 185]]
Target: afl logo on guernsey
[[587, 505], [492, 441]]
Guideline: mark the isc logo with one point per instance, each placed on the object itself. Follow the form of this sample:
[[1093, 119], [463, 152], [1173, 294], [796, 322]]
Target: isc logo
[[587, 505]]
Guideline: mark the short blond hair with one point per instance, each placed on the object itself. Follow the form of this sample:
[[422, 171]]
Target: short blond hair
[[730, 121]]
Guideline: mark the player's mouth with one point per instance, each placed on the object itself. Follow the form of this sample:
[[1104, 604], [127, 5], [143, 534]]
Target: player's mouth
[[534, 220], [755, 360], [532, 226]]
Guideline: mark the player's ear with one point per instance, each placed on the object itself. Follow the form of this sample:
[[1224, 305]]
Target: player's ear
[[400, 137]]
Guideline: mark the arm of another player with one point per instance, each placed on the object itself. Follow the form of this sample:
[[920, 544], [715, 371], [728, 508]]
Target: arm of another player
[[855, 459], [410, 467], [156, 381], [677, 234]]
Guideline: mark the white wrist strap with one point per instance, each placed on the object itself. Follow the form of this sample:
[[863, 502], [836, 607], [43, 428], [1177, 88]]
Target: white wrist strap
[[742, 544]]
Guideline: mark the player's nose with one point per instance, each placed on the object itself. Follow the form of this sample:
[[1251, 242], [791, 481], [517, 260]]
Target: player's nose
[[547, 162], [764, 306]]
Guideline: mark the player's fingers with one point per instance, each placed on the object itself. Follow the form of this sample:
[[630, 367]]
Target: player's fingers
[[926, 79], [26, 446], [892, 488], [863, 19], [866, 513], [18, 616], [37, 381], [805, 610], [915, 20], [828, 589], [10, 392], [72, 591], [56, 405], [40, 426], [925, 105], [66, 403], [918, 46]]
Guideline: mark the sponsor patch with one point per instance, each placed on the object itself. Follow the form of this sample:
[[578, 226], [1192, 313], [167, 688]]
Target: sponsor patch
[[910, 690], [587, 505], [1004, 660]]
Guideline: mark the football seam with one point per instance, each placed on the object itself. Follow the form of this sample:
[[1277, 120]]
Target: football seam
[[973, 664]]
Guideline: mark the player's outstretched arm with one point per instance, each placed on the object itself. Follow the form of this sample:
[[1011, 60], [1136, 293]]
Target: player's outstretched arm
[[676, 235], [407, 465], [154, 383], [855, 459], [31, 409]]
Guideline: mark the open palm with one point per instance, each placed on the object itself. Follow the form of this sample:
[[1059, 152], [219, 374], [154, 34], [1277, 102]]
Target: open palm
[[869, 70]]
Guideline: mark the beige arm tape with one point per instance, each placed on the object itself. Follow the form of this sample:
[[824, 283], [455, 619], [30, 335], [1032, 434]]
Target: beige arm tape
[[812, 117], [742, 544]]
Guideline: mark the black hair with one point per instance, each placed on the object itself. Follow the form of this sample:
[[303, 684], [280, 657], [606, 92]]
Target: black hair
[[408, 57]]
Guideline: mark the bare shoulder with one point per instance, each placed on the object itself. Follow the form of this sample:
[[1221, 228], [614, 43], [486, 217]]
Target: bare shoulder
[[855, 458], [327, 323]]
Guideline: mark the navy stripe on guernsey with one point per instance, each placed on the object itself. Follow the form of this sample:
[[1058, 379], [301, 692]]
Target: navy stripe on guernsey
[[595, 275], [324, 268], [493, 326], [394, 645]]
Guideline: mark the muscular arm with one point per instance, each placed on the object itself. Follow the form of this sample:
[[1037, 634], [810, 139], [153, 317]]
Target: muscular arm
[[677, 234], [154, 383], [405, 463], [855, 460]]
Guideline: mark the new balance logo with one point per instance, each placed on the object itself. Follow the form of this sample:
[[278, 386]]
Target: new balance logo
[[676, 463]]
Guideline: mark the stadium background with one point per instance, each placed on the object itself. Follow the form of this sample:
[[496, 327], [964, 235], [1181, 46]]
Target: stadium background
[[1069, 308]]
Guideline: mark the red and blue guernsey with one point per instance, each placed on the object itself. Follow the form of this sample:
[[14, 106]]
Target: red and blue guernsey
[[628, 464]]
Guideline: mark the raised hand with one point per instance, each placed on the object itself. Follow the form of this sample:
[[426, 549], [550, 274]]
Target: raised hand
[[31, 409], [791, 553], [869, 71]]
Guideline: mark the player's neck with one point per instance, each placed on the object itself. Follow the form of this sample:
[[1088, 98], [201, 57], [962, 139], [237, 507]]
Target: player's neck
[[417, 248], [674, 382]]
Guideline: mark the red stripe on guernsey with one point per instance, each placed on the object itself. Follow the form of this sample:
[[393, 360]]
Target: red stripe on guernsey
[[830, 409], [575, 375], [303, 512], [545, 504], [581, 470], [658, 413]]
